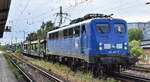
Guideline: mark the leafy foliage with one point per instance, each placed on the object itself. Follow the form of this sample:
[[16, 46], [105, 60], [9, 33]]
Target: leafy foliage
[[134, 43], [135, 49], [42, 32], [32, 36], [135, 34]]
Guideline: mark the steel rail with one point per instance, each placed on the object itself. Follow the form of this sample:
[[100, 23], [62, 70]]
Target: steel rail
[[129, 76], [142, 69], [45, 73], [48, 75], [27, 77]]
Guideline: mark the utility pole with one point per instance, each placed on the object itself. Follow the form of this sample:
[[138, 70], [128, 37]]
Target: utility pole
[[60, 14]]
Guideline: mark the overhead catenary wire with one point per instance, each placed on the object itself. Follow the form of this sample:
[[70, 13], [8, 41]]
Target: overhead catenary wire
[[47, 15], [23, 10], [121, 7], [52, 11], [26, 6], [41, 15]]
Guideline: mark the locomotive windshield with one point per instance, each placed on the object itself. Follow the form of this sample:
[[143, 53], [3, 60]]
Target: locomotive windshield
[[103, 27], [120, 28]]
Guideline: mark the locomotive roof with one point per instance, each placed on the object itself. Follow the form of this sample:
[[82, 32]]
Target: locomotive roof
[[75, 24], [70, 26]]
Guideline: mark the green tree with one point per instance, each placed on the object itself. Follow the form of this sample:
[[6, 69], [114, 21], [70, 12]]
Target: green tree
[[32, 36], [43, 25], [42, 32], [135, 49], [135, 34], [45, 28]]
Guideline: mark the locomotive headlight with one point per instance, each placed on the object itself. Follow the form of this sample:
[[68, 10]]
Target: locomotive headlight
[[125, 48], [100, 48], [100, 44], [125, 43]]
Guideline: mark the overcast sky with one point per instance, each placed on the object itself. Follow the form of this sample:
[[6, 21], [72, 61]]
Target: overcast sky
[[26, 16]]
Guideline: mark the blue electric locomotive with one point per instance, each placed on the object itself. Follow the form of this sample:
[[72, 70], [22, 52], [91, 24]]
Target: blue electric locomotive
[[95, 38]]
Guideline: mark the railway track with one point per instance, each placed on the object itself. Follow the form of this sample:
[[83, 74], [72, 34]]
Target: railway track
[[43, 72], [128, 77], [26, 76], [124, 76], [141, 69]]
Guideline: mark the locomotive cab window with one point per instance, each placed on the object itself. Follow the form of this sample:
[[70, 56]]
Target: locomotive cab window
[[120, 28], [103, 27]]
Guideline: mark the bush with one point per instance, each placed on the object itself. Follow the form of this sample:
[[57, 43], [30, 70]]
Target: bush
[[135, 49], [135, 34]]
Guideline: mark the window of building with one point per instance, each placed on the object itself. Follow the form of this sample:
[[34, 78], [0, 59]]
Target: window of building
[[145, 57]]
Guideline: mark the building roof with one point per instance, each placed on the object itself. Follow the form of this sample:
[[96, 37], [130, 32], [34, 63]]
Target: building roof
[[137, 22], [145, 44], [4, 9]]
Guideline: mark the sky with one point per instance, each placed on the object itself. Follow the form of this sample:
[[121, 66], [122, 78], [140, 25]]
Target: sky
[[26, 16]]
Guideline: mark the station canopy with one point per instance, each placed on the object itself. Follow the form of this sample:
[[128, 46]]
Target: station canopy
[[4, 9]]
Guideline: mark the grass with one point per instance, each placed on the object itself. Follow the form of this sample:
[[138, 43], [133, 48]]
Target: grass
[[13, 68], [42, 64], [66, 72], [18, 53]]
